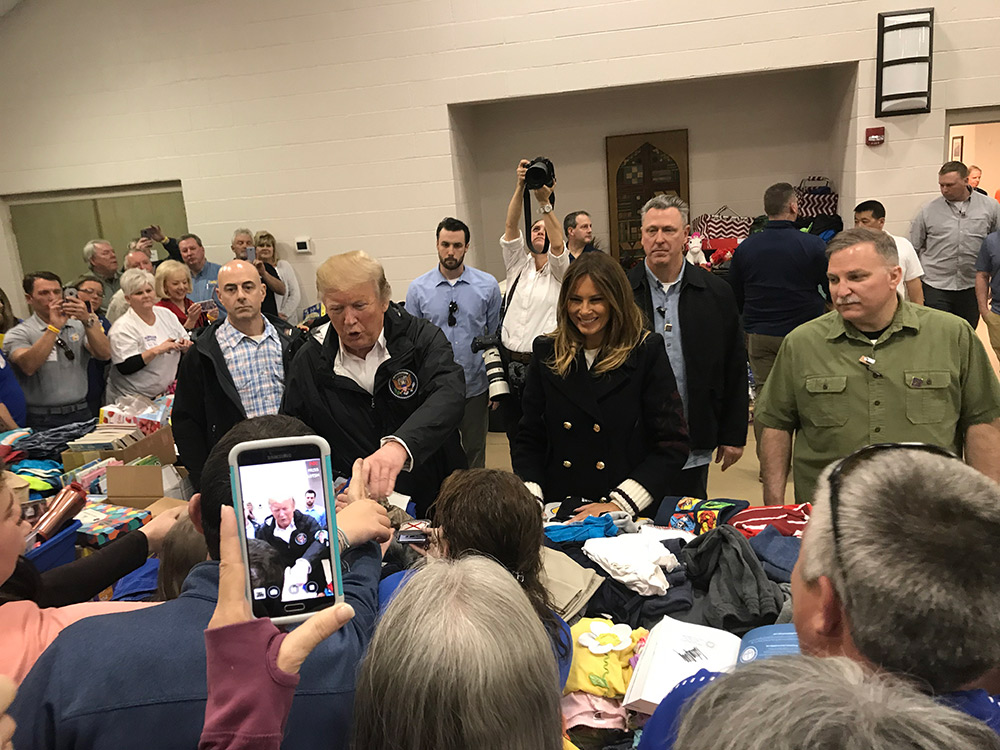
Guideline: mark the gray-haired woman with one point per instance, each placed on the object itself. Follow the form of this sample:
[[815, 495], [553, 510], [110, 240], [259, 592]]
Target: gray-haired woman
[[146, 342]]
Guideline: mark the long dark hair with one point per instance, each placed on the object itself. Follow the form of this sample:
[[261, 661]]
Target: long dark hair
[[491, 512]]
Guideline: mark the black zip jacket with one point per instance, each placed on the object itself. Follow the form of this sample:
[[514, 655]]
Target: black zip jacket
[[715, 355], [206, 404], [419, 397]]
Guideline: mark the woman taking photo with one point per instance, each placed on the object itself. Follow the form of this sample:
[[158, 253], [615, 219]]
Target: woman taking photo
[[173, 285], [288, 303], [146, 342], [603, 424]]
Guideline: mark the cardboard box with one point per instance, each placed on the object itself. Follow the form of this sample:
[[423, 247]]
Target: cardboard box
[[141, 486], [164, 504], [159, 444]]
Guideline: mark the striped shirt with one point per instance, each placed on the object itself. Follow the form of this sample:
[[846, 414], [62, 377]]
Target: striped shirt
[[256, 367]]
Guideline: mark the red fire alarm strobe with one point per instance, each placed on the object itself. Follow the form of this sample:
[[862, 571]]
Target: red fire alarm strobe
[[875, 136]]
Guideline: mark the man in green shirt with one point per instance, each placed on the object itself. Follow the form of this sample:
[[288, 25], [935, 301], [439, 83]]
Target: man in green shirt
[[875, 370]]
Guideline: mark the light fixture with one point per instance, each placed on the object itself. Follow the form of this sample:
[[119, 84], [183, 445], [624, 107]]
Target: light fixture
[[903, 66]]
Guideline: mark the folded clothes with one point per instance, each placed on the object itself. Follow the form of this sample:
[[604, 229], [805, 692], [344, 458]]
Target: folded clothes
[[568, 584], [601, 653], [637, 560], [589, 528], [12, 436], [51, 443], [615, 601], [777, 553], [789, 520], [740, 595], [584, 709]]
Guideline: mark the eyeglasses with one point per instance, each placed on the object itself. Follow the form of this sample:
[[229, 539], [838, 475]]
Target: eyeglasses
[[452, 309], [66, 350], [850, 463]]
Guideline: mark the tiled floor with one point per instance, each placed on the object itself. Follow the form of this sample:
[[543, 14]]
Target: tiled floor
[[739, 481]]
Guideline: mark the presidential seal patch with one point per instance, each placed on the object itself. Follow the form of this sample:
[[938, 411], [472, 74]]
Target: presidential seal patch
[[301, 538], [403, 384]]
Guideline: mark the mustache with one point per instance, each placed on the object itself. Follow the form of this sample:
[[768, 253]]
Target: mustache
[[850, 299]]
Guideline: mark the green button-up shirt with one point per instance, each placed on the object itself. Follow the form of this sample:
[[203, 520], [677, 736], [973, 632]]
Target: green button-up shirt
[[931, 380]]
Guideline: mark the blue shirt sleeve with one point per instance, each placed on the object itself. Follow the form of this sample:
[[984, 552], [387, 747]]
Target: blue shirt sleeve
[[660, 731], [493, 310], [413, 301]]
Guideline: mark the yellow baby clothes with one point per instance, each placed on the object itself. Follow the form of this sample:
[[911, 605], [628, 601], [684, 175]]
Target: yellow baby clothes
[[601, 651]]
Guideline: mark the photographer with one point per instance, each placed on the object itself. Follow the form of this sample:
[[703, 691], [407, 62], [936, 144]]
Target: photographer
[[533, 283], [51, 349]]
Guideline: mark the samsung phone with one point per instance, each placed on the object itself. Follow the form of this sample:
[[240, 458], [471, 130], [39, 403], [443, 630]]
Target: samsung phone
[[283, 495], [251, 254]]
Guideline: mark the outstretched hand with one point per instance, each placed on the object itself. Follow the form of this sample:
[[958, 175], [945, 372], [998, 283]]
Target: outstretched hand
[[233, 607]]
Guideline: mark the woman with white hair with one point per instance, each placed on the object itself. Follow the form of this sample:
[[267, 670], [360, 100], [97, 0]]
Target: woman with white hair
[[146, 342], [459, 660], [793, 702]]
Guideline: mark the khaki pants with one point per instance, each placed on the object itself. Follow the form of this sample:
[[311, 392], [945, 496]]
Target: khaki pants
[[993, 326], [762, 351]]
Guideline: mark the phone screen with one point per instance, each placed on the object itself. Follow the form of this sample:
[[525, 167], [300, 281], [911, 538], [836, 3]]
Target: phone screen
[[287, 528]]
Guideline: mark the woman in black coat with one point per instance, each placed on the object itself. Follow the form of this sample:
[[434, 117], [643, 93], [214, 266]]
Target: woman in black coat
[[603, 421]]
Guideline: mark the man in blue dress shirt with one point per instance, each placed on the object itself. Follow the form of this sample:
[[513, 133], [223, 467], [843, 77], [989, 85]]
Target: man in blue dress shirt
[[464, 302]]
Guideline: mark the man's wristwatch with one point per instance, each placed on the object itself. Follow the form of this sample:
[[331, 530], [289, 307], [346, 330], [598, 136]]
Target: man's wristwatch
[[545, 208]]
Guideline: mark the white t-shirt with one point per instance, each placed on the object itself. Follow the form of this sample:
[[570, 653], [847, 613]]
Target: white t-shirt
[[130, 336], [532, 309], [909, 262]]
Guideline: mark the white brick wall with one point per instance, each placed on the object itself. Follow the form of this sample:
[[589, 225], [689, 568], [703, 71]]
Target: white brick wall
[[307, 117]]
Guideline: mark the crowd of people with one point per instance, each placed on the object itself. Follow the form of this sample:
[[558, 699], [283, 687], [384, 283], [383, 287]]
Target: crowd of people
[[623, 389]]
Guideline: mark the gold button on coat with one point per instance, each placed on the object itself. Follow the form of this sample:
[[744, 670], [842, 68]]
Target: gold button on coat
[[597, 428], [600, 465], [567, 464], [567, 425]]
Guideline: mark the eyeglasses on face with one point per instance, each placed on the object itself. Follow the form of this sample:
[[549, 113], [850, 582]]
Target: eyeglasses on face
[[849, 464], [452, 309]]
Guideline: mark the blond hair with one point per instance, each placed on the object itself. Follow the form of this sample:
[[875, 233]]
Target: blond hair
[[624, 330], [167, 270], [347, 270]]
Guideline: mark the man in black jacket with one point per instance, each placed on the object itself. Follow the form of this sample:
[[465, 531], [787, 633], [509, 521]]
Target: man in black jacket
[[380, 384], [300, 541], [696, 314], [234, 370]]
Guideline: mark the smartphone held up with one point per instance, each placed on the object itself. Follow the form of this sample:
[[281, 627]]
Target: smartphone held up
[[282, 492]]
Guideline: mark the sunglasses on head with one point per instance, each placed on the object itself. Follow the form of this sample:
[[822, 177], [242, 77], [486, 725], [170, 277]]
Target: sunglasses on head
[[849, 464], [452, 309]]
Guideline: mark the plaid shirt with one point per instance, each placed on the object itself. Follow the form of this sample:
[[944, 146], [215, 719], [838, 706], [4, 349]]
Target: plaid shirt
[[257, 369]]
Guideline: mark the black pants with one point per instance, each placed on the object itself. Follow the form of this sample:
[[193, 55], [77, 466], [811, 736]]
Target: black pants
[[510, 407], [961, 302]]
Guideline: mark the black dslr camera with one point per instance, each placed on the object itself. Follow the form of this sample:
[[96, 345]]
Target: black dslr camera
[[540, 172]]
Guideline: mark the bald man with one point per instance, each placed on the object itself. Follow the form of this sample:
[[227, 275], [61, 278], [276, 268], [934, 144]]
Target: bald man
[[235, 370]]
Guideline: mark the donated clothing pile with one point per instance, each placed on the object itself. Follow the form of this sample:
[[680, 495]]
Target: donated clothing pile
[[719, 564]]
